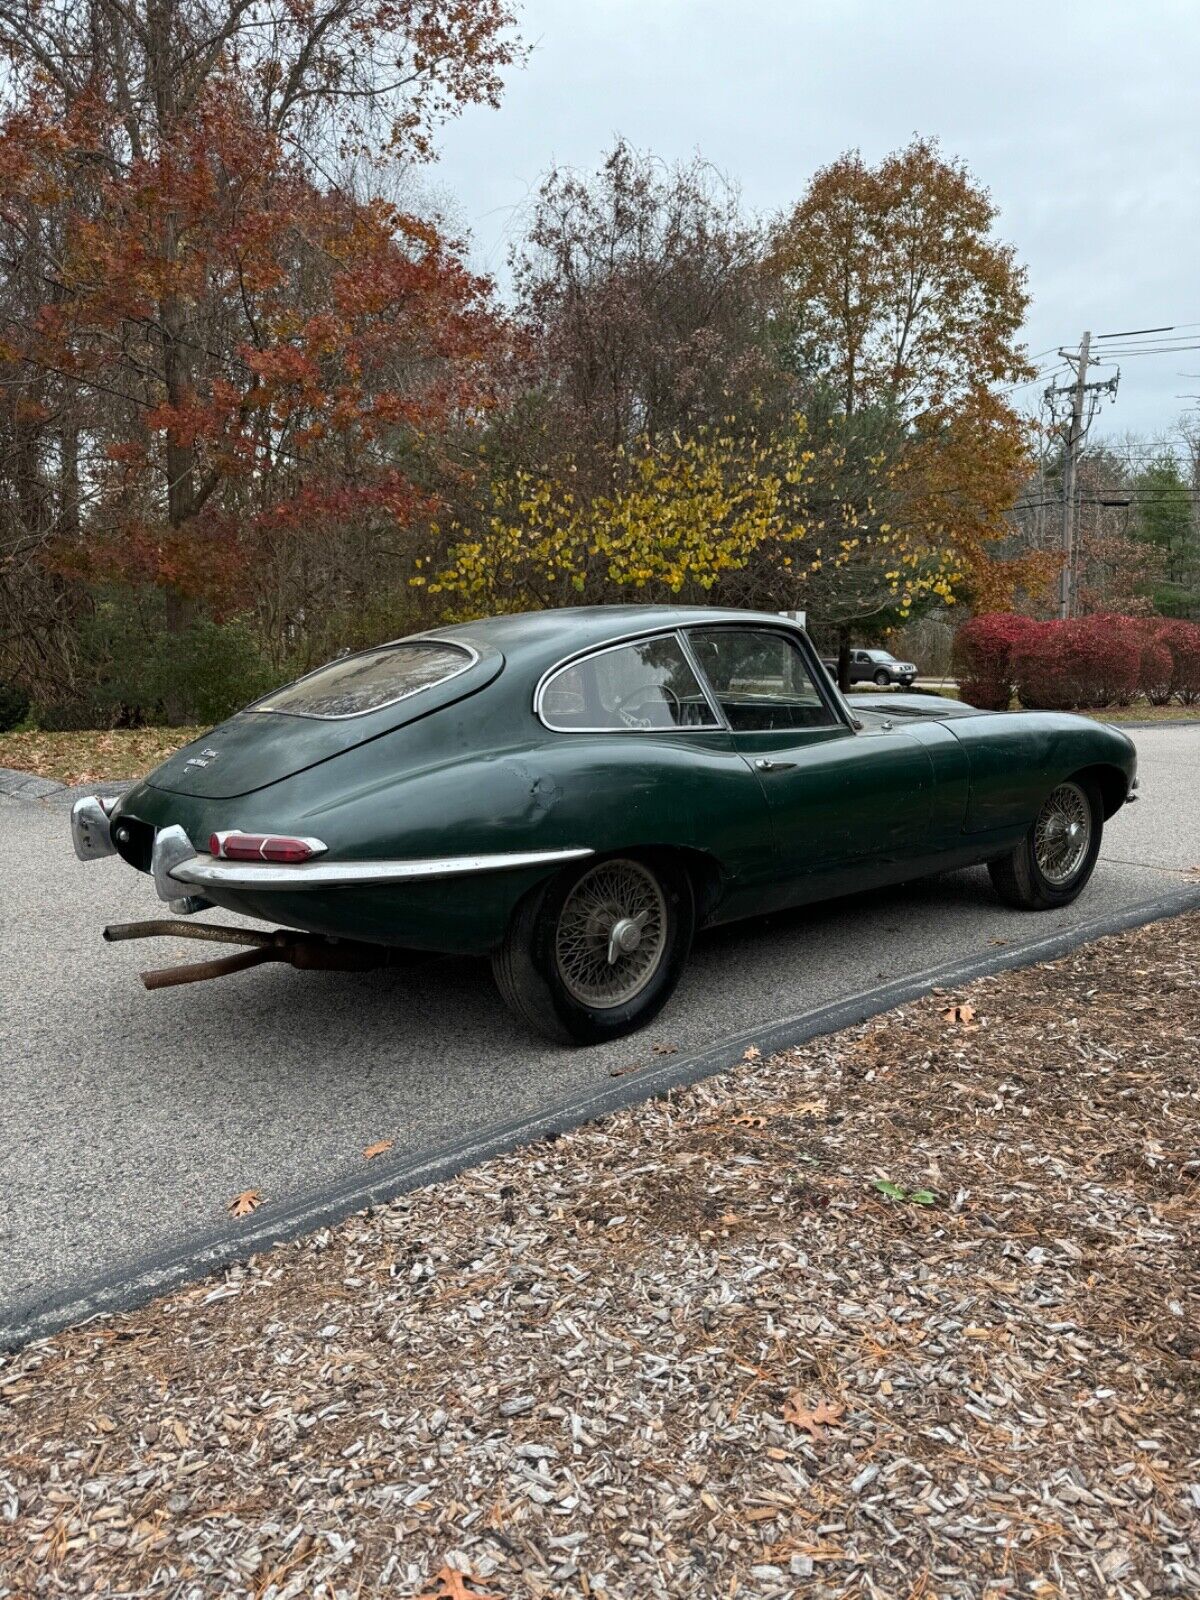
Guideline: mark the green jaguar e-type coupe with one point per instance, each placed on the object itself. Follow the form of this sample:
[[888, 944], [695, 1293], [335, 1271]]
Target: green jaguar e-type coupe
[[573, 793]]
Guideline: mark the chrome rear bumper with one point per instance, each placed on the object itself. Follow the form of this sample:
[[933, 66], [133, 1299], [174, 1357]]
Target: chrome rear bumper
[[179, 870], [175, 862]]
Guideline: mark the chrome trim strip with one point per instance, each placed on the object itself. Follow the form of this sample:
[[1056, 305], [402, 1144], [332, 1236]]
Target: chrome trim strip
[[671, 630], [348, 716], [208, 872]]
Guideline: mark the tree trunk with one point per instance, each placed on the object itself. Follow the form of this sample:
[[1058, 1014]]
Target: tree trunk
[[843, 659]]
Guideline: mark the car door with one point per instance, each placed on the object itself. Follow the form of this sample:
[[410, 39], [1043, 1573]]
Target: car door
[[846, 805]]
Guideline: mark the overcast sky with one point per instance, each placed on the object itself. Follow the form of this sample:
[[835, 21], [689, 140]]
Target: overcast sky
[[1081, 116]]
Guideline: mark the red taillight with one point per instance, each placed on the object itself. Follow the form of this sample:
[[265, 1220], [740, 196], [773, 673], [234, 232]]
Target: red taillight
[[263, 847], [277, 849]]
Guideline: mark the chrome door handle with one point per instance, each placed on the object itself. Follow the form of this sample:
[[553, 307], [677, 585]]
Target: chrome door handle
[[765, 764]]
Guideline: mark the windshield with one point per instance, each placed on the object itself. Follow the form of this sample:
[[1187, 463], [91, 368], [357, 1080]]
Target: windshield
[[357, 684]]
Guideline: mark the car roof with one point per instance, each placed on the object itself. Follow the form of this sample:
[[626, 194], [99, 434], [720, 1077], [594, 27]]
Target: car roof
[[540, 638]]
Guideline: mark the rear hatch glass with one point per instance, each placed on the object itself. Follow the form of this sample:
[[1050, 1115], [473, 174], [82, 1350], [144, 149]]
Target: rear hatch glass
[[331, 710]]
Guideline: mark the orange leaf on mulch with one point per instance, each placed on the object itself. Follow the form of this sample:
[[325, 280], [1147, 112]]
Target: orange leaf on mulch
[[958, 1013], [452, 1585], [826, 1413]]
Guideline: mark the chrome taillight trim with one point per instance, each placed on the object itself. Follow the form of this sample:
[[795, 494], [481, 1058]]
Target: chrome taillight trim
[[316, 847]]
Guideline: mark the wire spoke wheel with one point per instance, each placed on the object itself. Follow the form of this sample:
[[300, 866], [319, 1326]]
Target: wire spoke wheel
[[611, 934], [1062, 834]]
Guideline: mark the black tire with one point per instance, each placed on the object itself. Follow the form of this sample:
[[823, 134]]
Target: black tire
[[1019, 879], [882, 678], [527, 966]]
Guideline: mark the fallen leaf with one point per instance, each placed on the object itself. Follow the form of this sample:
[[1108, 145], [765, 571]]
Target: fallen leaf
[[892, 1190], [751, 1053], [452, 1585], [665, 1049], [958, 1013], [825, 1414], [376, 1149], [243, 1204], [749, 1120]]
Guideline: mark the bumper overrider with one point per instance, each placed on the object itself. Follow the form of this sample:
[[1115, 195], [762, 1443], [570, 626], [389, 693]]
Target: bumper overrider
[[182, 873]]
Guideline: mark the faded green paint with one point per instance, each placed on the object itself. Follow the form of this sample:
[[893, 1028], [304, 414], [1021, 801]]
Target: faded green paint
[[468, 769]]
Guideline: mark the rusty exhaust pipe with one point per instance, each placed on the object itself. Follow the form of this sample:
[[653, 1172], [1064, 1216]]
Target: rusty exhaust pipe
[[306, 952]]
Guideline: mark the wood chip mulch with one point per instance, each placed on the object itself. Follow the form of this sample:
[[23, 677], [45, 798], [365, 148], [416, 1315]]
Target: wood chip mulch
[[912, 1311]]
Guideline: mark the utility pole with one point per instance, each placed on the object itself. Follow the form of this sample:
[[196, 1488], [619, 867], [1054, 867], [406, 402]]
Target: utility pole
[[1073, 437]]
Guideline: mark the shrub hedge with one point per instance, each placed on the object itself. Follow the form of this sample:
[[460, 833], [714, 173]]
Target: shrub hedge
[[1097, 661]]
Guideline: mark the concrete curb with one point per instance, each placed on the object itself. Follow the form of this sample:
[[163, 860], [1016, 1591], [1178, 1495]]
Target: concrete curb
[[160, 1271], [18, 785]]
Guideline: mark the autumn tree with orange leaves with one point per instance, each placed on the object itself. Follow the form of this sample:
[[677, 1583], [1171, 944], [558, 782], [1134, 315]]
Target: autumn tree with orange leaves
[[899, 296], [214, 351]]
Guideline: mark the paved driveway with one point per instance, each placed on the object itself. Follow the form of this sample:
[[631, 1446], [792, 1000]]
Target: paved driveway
[[129, 1119]]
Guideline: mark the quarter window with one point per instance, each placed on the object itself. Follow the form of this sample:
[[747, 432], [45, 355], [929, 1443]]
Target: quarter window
[[370, 681], [645, 687], [760, 679]]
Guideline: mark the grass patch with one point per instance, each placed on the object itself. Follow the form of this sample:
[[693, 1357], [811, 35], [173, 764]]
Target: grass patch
[[93, 754], [1145, 713]]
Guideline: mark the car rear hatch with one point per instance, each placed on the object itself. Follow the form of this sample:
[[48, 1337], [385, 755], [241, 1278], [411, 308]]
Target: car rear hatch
[[332, 710]]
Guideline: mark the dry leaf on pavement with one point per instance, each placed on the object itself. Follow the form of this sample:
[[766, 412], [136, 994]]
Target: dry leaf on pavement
[[243, 1204], [825, 1413], [377, 1149]]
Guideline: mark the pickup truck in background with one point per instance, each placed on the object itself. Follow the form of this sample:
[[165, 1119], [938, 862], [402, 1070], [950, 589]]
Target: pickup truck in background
[[874, 666]]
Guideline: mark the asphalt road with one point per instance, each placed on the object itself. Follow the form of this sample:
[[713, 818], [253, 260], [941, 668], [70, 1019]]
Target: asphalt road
[[129, 1119]]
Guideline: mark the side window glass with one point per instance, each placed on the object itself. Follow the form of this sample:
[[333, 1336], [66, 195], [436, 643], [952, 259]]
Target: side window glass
[[759, 679], [644, 687]]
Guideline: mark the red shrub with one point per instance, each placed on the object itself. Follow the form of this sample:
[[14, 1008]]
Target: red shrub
[[1095, 661], [1112, 646], [1042, 672], [1087, 661], [1182, 639], [1157, 673], [983, 654]]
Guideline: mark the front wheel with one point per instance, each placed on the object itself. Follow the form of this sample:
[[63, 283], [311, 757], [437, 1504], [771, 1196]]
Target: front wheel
[[1055, 859], [596, 952], [882, 678]]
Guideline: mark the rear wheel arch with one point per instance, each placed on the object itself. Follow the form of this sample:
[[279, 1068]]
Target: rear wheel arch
[[705, 872]]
